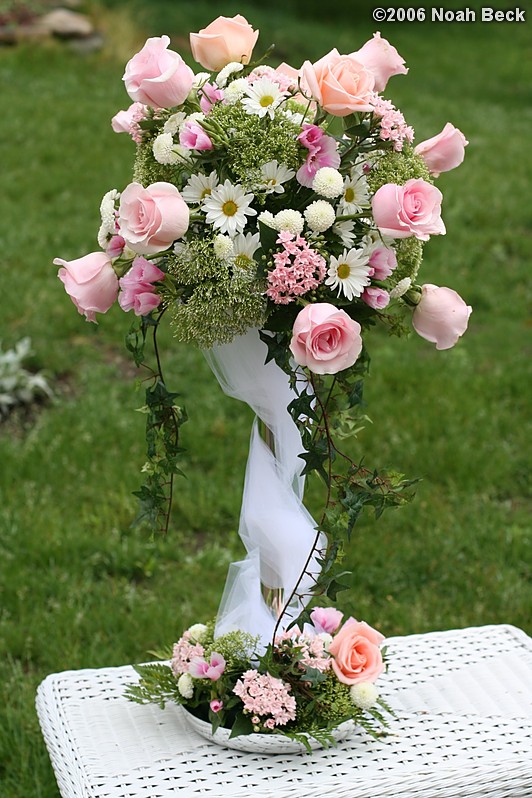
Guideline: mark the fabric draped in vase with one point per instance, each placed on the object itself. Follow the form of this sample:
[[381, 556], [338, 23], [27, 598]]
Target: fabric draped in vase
[[275, 527]]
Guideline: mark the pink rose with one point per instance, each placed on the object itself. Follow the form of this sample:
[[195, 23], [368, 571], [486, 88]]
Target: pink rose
[[376, 298], [152, 218], [412, 209], [157, 76], [383, 261], [382, 59], [193, 137], [90, 282], [226, 39], [443, 152], [325, 339], [137, 291], [356, 652], [339, 83], [326, 619], [441, 316]]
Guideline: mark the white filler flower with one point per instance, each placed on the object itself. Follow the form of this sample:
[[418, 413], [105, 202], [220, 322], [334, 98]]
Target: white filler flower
[[350, 273], [198, 187], [364, 694], [263, 97], [328, 182], [227, 208], [185, 685], [320, 215]]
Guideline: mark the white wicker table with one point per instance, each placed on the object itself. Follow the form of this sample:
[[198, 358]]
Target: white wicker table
[[463, 700]]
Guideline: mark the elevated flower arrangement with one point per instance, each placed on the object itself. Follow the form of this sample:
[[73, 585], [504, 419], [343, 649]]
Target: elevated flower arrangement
[[275, 216]]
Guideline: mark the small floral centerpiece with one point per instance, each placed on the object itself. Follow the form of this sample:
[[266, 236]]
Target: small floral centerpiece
[[306, 684], [276, 215]]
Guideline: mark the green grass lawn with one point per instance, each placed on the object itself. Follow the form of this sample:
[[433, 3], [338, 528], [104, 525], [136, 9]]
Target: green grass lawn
[[78, 586]]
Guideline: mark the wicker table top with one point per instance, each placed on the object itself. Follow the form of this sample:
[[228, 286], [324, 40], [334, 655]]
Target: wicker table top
[[463, 728]]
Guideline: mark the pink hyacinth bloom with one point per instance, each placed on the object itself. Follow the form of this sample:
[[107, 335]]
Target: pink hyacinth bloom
[[209, 94], [193, 137], [298, 269], [326, 619], [376, 298], [184, 652], [201, 669]]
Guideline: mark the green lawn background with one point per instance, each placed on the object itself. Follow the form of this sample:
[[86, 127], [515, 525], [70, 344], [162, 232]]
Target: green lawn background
[[79, 587]]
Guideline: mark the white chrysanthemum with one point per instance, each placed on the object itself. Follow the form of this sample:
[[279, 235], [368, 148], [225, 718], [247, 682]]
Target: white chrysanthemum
[[198, 187], [289, 220], [350, 273], [355, 194], [294, 116], [245, 246], [185, 685], [197, 632], [223, 247], [263, 97], [227, 71], [227, 208], [327, 640], [274, 175], [108, 216], [320, 215], [197, 116], [163, 149], [174, 123], [364, 694], [235, 91], [401, 288], [328, 182], [267, 218], [345, 232]]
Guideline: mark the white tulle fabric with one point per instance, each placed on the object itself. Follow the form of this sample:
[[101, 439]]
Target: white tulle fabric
[[275, 527]]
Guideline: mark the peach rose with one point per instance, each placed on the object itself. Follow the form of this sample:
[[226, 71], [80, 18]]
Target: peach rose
[[157, 76], [152, 218], [382, 59], [356, 652], [443, 152], [412, 209], [325, 339], [226, 39], [339, 83], [90, 282], [441, 316]]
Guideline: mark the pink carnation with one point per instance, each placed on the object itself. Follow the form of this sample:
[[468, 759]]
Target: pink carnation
[[298, 269], [193, 137]]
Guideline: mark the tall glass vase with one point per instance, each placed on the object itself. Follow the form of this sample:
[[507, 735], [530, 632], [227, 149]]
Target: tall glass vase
[[275, 527]]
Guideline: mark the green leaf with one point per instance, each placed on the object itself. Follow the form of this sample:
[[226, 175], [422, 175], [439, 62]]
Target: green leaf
[[242, 726]]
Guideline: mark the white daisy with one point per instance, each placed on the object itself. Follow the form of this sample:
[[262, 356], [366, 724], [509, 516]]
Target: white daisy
[[320, 215], [245, 246], [227, 71], [355, 194], [227, 208], [274, 175], [198, 187], [350, 273], [263, 97], [345, 232]]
